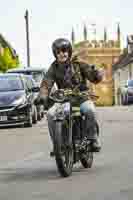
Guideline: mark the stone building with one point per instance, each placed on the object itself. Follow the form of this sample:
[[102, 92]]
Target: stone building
[[102, 53]]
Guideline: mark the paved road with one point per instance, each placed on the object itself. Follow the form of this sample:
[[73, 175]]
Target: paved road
[[27, 172]]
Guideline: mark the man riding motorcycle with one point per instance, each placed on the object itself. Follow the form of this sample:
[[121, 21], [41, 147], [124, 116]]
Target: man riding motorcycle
[[70, 73]]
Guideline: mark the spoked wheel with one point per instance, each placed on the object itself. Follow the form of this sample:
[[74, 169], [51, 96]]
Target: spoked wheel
[[63, 152], [87, 159]]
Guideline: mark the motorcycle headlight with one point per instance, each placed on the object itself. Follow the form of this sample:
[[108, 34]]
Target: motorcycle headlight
[[19, 101]]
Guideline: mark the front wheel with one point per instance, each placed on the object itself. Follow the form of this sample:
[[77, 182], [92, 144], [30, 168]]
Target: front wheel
[[63, 151]]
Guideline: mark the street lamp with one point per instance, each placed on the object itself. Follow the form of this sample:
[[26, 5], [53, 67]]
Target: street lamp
[[27, 37]]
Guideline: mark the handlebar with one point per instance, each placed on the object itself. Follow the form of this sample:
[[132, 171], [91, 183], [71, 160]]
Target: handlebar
[[62, 95]]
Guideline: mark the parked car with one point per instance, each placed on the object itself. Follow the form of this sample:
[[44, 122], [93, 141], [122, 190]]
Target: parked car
[[38, 73], [40, 107], [17, 101], [126, 92]]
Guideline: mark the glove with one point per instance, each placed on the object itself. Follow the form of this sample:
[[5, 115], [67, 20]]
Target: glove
[[97, 74], [93, 67]]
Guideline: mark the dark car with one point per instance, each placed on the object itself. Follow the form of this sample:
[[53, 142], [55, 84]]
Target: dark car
[[127, 93], [38, 74], [16, 101]]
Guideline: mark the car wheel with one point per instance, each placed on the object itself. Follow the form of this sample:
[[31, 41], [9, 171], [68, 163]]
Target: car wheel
[[42, 114], [39, 116], [29, 120], [42, 111], [34, 118], [39, 112], [124, 99]]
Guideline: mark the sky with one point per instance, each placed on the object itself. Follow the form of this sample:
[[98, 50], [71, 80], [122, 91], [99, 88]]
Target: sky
[[51, 19]]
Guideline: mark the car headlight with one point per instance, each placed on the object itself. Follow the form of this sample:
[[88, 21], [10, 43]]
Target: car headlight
[[19, 101]]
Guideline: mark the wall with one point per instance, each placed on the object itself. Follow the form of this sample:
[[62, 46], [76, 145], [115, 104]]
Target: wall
[[102, 57]]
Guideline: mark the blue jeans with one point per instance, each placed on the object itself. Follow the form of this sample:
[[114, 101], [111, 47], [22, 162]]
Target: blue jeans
[[87, 108]]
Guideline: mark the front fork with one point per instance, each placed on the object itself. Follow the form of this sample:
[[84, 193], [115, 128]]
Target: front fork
[[70, 130], [83, 126]]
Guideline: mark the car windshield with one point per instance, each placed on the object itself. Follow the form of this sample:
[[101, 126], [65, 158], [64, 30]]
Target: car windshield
[[130, 83], [36, 75], [10, 83]]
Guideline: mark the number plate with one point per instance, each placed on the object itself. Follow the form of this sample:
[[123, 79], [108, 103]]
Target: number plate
[[3, 118]]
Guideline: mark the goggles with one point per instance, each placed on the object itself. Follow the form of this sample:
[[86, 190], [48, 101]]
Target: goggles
[[63, 49]]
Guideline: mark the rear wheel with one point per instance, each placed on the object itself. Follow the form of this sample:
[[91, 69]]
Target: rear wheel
[[63, 152], [87, 159]]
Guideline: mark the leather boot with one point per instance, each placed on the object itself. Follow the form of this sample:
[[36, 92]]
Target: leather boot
[[52, 154]]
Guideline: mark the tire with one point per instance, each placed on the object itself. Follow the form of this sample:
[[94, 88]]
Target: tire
[[34, 118], [42, 111], [124, 99], [38, 113], [39, 117], [87, 157], [97, 128], [87, 160], [42, 114], [29, 121], [64, 166]]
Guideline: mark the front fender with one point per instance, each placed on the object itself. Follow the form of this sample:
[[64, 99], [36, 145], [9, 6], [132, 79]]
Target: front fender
[[62, 111]]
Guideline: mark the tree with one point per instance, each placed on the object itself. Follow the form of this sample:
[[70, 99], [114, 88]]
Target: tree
[[8, 61]]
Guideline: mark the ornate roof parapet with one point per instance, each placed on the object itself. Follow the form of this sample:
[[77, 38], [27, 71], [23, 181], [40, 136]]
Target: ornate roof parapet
[[97, 44], [110, 44], [104, 43]]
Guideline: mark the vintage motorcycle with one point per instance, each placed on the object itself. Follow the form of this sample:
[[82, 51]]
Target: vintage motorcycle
[[66, 117]]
